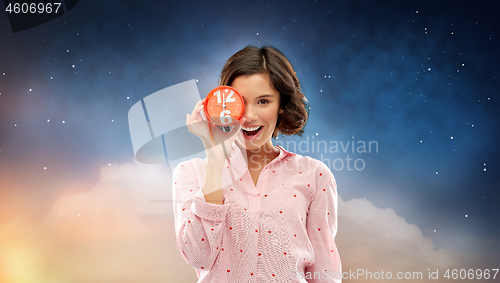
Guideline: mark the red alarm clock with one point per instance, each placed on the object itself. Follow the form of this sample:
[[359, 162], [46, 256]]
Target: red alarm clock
[[223, 107]]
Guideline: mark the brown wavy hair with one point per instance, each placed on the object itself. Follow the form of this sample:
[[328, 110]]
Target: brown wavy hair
[[269, 60]]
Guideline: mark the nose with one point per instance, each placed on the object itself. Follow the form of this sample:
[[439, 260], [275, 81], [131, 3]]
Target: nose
[[249, 113]]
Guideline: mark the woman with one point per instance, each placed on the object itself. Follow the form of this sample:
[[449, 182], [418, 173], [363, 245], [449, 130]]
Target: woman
[[258, 213]]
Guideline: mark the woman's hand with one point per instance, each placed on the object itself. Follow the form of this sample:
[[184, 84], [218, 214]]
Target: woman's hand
[[222, 142]]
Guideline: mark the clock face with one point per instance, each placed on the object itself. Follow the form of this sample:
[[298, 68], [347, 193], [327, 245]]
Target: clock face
[[224, 105]]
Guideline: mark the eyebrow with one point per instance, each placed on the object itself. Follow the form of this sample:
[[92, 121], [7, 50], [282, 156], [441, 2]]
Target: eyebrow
[[262, 96], [265, 95]]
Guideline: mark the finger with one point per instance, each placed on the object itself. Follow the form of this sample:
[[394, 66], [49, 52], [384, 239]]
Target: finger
[[192, 123], [196, 112], [188, 122], [197, 106], [200, 102]]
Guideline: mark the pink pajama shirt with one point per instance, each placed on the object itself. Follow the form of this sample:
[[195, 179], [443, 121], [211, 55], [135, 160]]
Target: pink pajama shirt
[[281, 230]]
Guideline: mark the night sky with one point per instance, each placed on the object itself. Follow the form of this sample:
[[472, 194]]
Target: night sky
[[421, 78]]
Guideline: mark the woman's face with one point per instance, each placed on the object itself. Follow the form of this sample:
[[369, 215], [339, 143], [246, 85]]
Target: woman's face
[[261, 110]]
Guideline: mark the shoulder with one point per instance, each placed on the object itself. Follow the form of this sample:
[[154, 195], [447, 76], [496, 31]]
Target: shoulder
[[311, 167], [189, 167], [322, 173]]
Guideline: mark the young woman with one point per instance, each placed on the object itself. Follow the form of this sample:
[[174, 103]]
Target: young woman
[[251, 211]]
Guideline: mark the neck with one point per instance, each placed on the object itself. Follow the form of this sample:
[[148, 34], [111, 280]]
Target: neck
[[260, 157]]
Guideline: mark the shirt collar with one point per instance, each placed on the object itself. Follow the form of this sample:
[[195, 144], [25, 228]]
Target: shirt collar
[[236, 152], [283, 152], [238, 165]]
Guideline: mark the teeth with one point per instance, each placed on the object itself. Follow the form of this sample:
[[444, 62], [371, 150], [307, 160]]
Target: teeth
[[250, 128]]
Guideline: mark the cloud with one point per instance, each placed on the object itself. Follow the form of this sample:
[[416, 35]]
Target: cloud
[[116, 206], [374, 239], [113, 232]]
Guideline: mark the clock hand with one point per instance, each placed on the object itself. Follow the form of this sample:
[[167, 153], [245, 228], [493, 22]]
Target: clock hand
[[223, 101]]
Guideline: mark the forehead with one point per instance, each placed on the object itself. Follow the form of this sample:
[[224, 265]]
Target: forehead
[[254, 86]]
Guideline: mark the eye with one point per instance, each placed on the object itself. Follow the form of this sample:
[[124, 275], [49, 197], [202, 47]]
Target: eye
[[263, 101]]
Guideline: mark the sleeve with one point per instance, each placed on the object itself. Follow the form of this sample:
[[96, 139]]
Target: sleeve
[[322, 228], [198, 224]]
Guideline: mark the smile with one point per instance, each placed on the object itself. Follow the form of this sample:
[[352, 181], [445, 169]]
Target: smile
[[251, 131], [250, 128]]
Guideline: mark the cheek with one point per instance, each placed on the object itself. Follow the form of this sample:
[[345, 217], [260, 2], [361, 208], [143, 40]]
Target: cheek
[[271, 116]]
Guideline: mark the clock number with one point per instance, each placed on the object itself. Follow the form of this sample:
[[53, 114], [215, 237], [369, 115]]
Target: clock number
[[218, 96], [230, 97], [225, 119]]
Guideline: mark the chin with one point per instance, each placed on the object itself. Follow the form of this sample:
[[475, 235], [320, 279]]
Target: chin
[[250, 145], [257, 143]]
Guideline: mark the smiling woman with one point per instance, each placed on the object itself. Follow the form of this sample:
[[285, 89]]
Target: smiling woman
[[261, 110], [282, 78], [277, 218]]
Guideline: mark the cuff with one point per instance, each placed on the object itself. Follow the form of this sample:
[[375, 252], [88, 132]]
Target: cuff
[[209, 211]]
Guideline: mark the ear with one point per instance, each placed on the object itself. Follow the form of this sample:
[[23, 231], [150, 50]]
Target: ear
[[280, 111]]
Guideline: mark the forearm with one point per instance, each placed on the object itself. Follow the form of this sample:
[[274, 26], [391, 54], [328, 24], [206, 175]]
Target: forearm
[[198, 223], [212, 184]]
